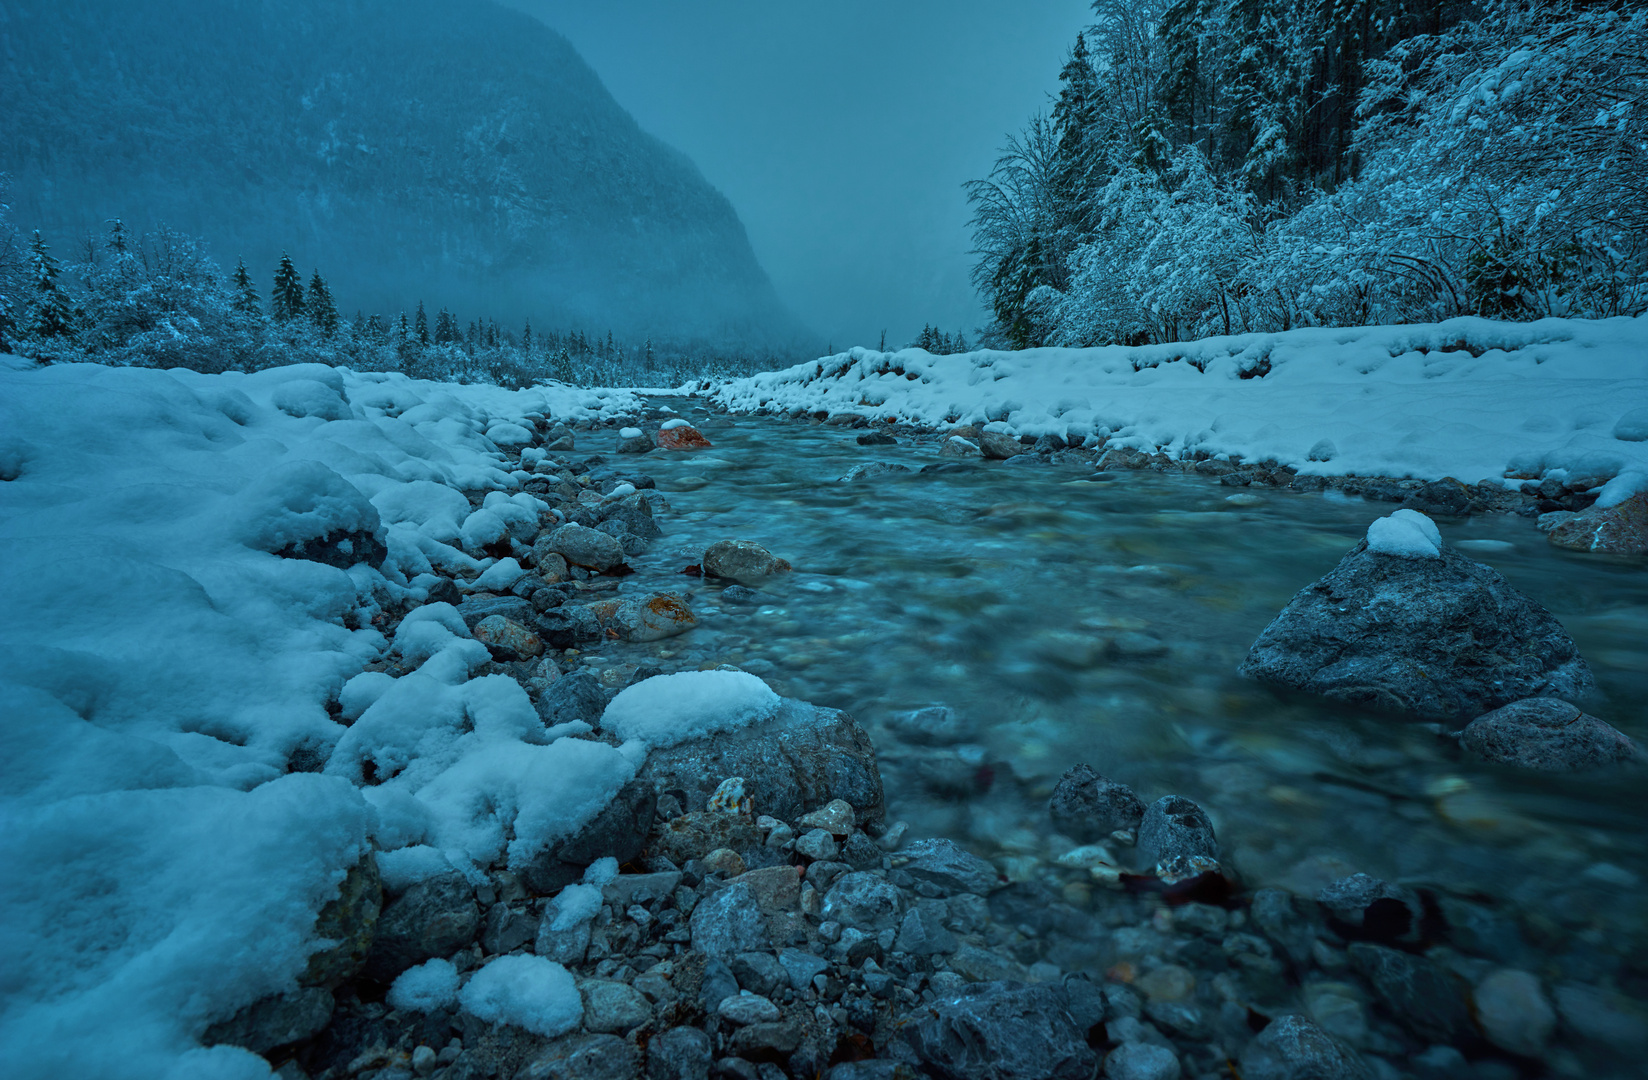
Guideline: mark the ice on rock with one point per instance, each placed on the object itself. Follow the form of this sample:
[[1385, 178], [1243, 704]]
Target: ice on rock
[[527, 991], [666, 710], [1407, 534], [427, 987]]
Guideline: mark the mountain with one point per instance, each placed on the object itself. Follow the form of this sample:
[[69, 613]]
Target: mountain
[[455, 152]]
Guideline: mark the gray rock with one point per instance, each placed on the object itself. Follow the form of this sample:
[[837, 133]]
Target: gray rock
[[1275, 913], [871, 469], [435, 917], [568, 626], [744, 1009], [958, 447], [634, 513], [1088, 807], [935, 725], [613, 1007], [568, 946], [864, 901], [816, 845], [777, 1038], [1444, 638], [868, 1070], [619, 831], [950, 867], [743, 561], [474, 609], [1549, 735], [627, 889], [1000, 1031], [507, 928], [582, 1057], [923, 934], [800, 759], [1085, 1000], [727, 923], [586, 547], [999, 445], [635, 444], [681, 1053], [1417, 992], [1513, 1011], [717, 985], [1141, 1061], [876, 438], [759, 973], [274, 1021], [1293, 1048], [1376, 906], [578, 696], [1176, 828], [1604, 1017], [801, 967], [862, 853]]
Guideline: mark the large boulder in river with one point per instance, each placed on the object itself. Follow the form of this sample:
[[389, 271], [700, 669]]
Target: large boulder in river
[[582, 546], [1406, 623], [1548, 735], [743, 561], [1621, 529]]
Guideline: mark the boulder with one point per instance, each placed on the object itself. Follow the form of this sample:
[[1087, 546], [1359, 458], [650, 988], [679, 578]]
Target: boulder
[[743, 561], [997, 444], [1621, 529], [619, 831], [634, 512], [350, 919], [800, 759], [274, 1021], [870, 469], [578, 696], [1176, 828], [1088, 807], [633, 441], [696, 834], [646, 618], [1000, 1031], [876, 438], [586, 547], [1293, 1048], [435, 917], [507, 639], [1549, 735], [680, 435], [1434, 634], [957, 447]]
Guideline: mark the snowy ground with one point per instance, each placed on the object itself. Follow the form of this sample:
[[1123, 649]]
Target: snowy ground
[[161, 668], [1467, 398]]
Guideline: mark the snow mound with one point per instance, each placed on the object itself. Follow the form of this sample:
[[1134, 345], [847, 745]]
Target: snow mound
[[527, 991], [1407, 534], [669, 709], [427, 987]]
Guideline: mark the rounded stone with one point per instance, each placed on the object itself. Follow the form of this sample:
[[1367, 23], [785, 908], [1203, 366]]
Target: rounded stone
[[1088, 807], [743, 561], [1141, 1061], [586, 547], [1175, 827], [864, 901], [1546, 734], [1513, 1011]]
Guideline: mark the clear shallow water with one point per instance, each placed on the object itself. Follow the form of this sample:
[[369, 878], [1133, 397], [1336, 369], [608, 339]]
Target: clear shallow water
[[1071, 620]]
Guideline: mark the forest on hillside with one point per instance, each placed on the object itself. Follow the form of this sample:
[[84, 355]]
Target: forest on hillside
[[1226, 166]]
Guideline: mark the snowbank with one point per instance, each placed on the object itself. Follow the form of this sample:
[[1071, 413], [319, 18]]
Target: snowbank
[[1468, 398], [166, 674]]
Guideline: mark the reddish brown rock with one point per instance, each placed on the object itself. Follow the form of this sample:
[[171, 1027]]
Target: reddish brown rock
[[682, 437], [1615, 530]]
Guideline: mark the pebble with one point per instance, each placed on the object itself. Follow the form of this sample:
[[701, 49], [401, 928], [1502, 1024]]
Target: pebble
[[613, 1008], [817, 844], [1513, 1011], [746, 1008], [1170, 982], [1141, 1061], [835, 817]]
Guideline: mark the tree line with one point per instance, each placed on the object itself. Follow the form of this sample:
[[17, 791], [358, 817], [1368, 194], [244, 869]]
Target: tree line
[[1224, 166], [157, 300]]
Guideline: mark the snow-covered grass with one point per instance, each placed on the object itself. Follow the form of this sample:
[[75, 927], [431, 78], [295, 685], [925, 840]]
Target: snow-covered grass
[[1469, 398], [161, 668]]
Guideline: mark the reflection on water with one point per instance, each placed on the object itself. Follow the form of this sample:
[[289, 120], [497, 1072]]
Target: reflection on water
[[1071, 620]]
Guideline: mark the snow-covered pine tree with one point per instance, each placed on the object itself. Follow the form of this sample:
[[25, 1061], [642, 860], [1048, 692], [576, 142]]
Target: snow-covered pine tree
[[246, 300], [51, 316], [526, 339], [286, 298], [420, 326], [323, 312]]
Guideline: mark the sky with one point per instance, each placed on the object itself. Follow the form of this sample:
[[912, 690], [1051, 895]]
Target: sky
[[842, 132]]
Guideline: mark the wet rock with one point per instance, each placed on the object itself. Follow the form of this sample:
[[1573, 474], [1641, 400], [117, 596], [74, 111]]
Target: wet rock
[[613, 1007], [729, 922], [578, 696], [1088, 807], [633, 441], [648, 618], [1513, 1011], [350, 919], [999, 444], [936, 725], [957, 447], [681, 1053], [1549, 735], [680, 435], [951, 867], [803, 757], [1441, 498], [435, 917], [569, 626], [507, 639], [876, 438], [619, 831], [695, 835], [1376, 907], [1607, 1018], [1442, 637], [743, 561], [1000, 1031], [1616, 530], [1417, 992], [274, 1021], [872, 469], [864, 901], [1293, 1048], [586, 547], [1141, 1061], [1174, 827], [580, 1057]]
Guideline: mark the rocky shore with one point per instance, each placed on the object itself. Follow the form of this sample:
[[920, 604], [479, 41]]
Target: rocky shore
[[744, 909]]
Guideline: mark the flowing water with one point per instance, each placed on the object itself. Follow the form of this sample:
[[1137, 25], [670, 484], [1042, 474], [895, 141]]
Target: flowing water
[[1067, 619]]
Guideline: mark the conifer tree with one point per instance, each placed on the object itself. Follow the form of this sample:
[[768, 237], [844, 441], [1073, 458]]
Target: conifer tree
[[421, 326], [322, 311], [648, 353], [526, 339], [53, 314], [446, 328], [246, 300], [286, 298]]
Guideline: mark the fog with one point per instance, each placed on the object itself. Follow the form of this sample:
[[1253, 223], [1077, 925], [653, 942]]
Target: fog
[[841, 132]]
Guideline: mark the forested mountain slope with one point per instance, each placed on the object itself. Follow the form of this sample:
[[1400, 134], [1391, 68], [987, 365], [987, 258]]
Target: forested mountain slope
[[416, 148]]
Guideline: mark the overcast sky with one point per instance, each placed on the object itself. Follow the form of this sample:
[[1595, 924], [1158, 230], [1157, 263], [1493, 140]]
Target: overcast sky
[[842, 131]]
